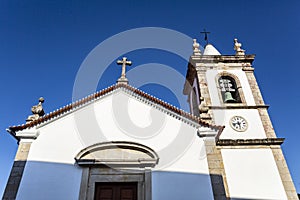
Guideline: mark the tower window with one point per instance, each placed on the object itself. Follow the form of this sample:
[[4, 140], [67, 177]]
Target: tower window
[[229, 90]]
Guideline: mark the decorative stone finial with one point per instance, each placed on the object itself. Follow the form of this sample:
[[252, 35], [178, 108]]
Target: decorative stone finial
[[123, 62], [196, 46], [37, 111], [237, 47]]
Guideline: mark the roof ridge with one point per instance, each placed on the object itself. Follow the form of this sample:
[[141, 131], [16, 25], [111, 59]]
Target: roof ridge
[[83, 101]]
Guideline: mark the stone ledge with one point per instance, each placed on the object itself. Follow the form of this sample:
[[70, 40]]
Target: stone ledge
[[222, 58], [233, 106], [118, 163], [245, 142]]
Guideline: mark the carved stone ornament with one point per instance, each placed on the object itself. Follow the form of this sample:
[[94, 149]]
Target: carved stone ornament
[[37, 111], [203, 107], [196, 49], [204, 110], [237, 47]]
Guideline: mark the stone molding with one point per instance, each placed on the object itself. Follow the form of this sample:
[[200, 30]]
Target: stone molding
[[223, 58], [116, 162], [237, 106], [31, 135], [91, 175], [206, 133], [118, 154], [248, 68], [249, 142]]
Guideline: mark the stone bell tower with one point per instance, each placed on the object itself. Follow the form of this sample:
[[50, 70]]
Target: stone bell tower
[[222, 90]]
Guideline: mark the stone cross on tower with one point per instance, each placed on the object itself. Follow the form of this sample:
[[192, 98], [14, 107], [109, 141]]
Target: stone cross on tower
[[123, 62], [205, 35]]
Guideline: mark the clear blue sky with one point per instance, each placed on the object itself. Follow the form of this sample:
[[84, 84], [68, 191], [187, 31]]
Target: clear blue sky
[[43, 43]]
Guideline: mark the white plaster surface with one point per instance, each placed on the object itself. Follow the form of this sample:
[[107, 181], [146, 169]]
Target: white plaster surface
[[210, 50], [48, 181], [252, 174], [180, 186], [51, 170], [255, 128]]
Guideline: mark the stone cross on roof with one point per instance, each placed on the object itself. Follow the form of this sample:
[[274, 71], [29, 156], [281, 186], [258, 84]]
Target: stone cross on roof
[[123, 62]]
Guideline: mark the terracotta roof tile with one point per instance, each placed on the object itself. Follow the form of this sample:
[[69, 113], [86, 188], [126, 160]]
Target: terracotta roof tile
[[96, 95]]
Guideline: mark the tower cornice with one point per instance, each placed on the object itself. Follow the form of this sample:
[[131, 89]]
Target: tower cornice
[[222, 58], [203, 62]]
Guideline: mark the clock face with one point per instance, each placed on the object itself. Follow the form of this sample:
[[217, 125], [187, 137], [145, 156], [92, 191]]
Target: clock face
[[238, 123]]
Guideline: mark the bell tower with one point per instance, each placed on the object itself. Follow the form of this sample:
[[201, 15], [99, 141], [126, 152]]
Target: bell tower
[[222, 89]]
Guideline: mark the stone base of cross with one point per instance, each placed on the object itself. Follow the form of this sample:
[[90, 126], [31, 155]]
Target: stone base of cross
[[122, 81]]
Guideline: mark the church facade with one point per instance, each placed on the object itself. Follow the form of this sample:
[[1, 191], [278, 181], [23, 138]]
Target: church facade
[[105, 146]]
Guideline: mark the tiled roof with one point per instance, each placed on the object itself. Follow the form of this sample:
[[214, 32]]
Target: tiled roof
[[83, 101]]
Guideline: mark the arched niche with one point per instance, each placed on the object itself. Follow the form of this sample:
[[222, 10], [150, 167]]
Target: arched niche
[[118, 154]]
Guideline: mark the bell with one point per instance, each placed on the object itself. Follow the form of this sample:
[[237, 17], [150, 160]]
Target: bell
[[228, 98]]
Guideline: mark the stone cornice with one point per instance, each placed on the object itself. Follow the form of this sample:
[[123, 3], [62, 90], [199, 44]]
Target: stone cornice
[[223, 58], [237, 107], [248, 69], [140, 163], [250, 142], [244, 61], [26, 135]]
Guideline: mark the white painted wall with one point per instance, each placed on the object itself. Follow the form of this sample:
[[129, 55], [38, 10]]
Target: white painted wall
[[255, 128], [48, 181], [222, 117], [252, 174], [51, 174], [180, 186]]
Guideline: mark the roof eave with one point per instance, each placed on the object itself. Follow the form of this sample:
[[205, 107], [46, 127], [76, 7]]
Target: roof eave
[[13, 133], [97, 95]]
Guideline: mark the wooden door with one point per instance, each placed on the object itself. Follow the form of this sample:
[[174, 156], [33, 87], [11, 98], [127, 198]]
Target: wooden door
[[116, 191]]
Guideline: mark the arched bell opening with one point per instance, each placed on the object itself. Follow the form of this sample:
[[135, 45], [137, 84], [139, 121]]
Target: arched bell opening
[[229, 89]]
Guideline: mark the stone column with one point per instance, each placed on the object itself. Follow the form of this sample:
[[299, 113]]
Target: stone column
[[270, 133], [216, 170], [283, 169], [267, 124], [204, 91], [17, 170], [249, 71], [14, 180]]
